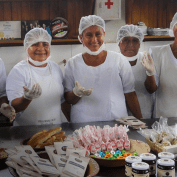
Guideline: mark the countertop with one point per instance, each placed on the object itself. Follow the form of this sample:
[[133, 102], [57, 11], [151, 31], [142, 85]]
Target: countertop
[[12, 136]]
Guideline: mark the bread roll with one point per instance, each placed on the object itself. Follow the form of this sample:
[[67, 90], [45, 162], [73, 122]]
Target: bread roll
[[35, 135], [44, 136]]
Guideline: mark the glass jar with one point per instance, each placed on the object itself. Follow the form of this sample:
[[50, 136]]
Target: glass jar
[[128, 164], [165, 168], [166, 155], [140, 169], [151, 160]]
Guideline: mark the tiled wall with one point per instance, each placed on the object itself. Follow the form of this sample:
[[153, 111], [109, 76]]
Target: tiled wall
[[12, 55]]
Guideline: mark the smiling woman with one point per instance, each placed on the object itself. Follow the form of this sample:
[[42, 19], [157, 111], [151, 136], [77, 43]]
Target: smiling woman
[[34, 86], [98, 82], [39, 52]]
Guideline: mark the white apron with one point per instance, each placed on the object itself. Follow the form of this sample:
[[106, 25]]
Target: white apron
[[166, 94], [145, 99], [97, 106], [45, 109]]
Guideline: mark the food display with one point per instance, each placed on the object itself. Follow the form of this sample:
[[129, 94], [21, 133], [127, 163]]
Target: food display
[[161, 138], [45, 138], [107, 143], [24, 161]]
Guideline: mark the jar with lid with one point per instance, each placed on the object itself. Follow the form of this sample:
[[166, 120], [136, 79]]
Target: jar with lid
[[166, 155], [128, 164], [151, 160], [140, 169], [165, 168]]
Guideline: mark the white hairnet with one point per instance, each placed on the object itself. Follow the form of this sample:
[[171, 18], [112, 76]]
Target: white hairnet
[[36, 35], [174, 21], [90, 20], [130, 31]]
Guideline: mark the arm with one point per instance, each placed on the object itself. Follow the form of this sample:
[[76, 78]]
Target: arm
[[71, 98], [66, 109], [148, 64], [20, 104], [150, 84], [78, 92], [133, 104]]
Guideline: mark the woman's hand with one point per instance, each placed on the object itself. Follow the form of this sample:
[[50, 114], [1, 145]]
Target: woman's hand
[[8, 111], [148, 64], [35, 92], [80, 91]]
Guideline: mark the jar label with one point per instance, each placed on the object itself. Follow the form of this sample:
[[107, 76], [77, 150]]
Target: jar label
[[140, 175], [152, 169], [128, 170], [165, 173]]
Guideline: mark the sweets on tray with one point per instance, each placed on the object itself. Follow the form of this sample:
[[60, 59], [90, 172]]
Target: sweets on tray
[[45, 138], [101, 142]]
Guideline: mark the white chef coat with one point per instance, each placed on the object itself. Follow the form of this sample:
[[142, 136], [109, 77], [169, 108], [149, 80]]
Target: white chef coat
[[2, 79], [109, 80], [45, 109], [166, 94], [145, 99]]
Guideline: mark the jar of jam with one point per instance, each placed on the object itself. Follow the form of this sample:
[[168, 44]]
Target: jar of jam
[[151, 160], [128, 164], [166, 155], [140, 169], [165, 168]]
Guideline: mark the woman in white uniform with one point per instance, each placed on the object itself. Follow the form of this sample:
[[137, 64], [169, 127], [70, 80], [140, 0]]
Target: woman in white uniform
[[35, 86], [98, 82], [129, 38], [165, 59], [5, 108]]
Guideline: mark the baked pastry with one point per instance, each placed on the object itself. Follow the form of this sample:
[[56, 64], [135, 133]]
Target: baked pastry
[[42, 137], [35, 135]]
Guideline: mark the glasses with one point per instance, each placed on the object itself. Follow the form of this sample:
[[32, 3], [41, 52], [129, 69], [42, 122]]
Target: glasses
[[127, 41]]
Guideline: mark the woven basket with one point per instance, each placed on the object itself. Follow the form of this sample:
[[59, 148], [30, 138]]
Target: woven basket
[[153, 146]]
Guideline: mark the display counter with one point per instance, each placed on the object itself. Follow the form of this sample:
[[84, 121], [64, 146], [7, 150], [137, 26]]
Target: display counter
[[12, 136]]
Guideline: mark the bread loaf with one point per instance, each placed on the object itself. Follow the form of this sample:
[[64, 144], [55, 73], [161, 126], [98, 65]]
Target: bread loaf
[[44, 136], [35, 135]]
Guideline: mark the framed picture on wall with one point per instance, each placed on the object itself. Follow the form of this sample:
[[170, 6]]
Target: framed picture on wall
[[30, 24], [10, 30], [108, 9]]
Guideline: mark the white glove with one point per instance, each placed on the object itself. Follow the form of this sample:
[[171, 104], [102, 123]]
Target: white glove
[[80, 91], [8, 111], [148, 64], [35, 92]]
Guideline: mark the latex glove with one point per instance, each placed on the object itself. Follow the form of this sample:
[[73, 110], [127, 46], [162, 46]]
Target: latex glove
[[8, 111], [80, 91], [35, 92], [148, 64]]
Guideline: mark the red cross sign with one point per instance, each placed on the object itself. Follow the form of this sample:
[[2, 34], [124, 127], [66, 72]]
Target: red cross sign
[[108, 4]]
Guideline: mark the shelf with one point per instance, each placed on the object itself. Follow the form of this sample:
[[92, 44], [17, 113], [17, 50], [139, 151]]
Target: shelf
[[158, 38], [9, 43]]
